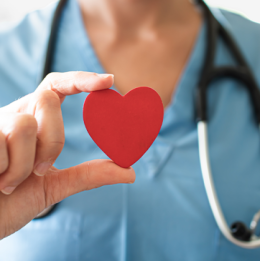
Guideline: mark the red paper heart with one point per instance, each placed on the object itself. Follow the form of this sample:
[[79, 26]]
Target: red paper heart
[[123, 127]]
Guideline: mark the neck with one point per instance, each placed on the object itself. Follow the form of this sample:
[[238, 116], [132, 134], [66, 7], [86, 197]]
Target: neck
[[136, 15]]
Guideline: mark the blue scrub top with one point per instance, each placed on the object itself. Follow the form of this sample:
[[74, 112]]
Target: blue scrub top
[[165, 215]]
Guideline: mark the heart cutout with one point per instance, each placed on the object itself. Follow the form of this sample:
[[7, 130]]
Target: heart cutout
[[123, 127]]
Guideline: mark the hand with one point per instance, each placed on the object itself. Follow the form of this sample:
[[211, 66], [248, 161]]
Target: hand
[[31, 138]]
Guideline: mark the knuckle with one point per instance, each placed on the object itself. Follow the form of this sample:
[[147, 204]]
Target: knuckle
[[86, 74], [25, 124], [77, 74], [56, 145], [83, 75], [59, 143], [50, 98], [93, 74], [52, 77], [52, 148]]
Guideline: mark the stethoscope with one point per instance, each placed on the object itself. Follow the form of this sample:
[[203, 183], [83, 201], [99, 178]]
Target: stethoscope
[[238, 234]]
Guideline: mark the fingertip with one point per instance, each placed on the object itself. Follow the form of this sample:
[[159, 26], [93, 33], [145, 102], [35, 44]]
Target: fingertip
[[125, 175], [106, 76], [75, 82], [106, 172], [131, 175], [101, 82]]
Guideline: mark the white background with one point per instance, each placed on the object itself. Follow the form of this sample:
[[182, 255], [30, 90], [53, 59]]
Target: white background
[[12, 10]]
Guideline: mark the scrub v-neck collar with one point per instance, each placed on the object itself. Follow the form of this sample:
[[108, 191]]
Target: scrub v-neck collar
[[179, 117]]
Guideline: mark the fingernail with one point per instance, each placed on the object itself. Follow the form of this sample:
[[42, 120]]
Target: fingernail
[[42, 168], [8, 190], [105, 75]]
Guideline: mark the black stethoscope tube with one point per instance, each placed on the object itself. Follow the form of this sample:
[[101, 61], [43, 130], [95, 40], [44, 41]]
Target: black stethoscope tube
[[47, 69], [211, 73], [53, 39], [239, 233]]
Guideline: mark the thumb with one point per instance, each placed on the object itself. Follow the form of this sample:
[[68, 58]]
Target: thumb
[[60, 184]]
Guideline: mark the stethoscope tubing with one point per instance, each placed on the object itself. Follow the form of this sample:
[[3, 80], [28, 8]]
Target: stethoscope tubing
[[209, 74], [211, 191], [47, 69], [52, 39]]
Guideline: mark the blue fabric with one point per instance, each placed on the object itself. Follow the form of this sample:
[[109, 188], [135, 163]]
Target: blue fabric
[[165, 215]]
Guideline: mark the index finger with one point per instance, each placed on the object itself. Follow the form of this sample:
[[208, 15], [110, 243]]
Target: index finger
[[70, 83]]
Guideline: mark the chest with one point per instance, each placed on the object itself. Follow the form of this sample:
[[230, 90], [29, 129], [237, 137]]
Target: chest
[[152, 60]]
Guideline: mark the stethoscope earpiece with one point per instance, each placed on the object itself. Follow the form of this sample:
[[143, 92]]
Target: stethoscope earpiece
[[240, 231]]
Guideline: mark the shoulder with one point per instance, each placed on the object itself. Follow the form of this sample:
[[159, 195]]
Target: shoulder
[[246, 34], [22, 51]]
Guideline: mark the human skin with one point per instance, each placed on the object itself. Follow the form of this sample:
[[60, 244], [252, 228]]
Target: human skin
[[141, 42], [32, 133]]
